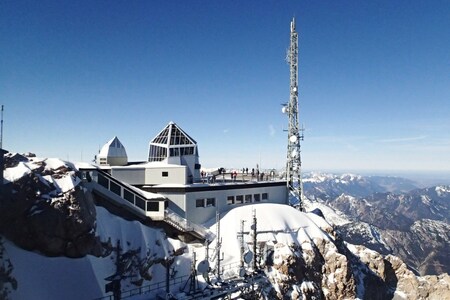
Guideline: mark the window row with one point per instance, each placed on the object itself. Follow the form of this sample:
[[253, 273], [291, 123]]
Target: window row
[[181, 151], [130, 196], [205, 202], [157, 153], [249, 198]]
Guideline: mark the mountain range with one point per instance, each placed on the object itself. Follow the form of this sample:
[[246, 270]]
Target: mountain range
[[390, 215]]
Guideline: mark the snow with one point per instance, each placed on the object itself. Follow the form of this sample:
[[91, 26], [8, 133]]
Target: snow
[[41, 277], [333, 216], [400, 294], [24, 168], [54, 164], [287, 226], [307, 286], [19, 171], [442, 191], [64, 184]]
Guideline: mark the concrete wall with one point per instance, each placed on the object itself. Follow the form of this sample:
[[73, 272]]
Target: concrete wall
[[176, 203], [175, 175], [200, 215], [130, 176], [117, 161]]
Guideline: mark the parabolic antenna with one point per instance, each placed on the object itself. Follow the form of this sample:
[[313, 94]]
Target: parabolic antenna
[[203, 267], [284, 109], [293, 139], [248, 257], [242, 272]]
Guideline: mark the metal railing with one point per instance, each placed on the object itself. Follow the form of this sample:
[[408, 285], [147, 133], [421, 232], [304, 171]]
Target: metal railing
[[186, 226], [161, 285]]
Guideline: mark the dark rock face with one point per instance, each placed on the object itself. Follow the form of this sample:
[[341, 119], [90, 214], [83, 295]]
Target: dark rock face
[[36, 215]]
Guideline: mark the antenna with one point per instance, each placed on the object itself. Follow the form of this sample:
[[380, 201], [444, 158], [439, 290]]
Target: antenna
[[253, 227], [295, 134], [1, 130], [218, 247]]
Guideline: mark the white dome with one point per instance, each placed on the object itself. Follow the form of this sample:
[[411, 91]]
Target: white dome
[[113, 153]]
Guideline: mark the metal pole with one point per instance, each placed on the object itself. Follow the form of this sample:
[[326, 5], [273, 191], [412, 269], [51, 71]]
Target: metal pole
[[1, 131], [241, 235], [254, 240]]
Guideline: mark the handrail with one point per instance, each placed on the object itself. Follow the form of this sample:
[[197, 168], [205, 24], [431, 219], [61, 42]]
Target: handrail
[[188, 226]]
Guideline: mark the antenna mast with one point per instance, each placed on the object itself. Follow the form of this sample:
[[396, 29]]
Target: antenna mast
[[1, 130], [295, 134]]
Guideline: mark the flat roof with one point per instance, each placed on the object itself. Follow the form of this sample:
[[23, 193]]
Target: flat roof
[[202, 187]]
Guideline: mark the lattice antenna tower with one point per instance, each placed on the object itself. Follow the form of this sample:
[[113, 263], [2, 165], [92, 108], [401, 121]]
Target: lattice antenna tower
[[295, 134]]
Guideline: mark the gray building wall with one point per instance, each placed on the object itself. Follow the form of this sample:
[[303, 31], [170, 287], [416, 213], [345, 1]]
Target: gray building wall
[[135, 176], [175, 175], [200, 215]]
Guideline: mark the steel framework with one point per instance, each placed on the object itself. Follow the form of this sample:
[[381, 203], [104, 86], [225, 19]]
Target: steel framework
[[295, 134]]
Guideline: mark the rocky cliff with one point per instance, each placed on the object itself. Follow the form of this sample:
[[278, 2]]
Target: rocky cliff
[[44, 207]]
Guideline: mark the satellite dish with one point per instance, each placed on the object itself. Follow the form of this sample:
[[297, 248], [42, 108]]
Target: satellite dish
[[293, 139], [284, 109], [253, 227], [203, 267], [242, 272], [248, 257]]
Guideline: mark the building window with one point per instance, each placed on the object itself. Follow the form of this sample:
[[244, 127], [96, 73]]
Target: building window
[[248, 198], [128, 196], [240, 199], [200, 203], [157, 153], [165, 174], [152, 206], [174, 151], [115, 188], [103, 181], [265, 196], [230, 200], [257, 197], [140, 202], [210, 202]]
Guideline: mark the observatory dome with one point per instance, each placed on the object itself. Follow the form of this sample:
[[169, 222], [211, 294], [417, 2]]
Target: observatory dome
[[113, 153]]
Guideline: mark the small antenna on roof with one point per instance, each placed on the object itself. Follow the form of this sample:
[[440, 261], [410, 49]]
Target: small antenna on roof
[[1, 130]]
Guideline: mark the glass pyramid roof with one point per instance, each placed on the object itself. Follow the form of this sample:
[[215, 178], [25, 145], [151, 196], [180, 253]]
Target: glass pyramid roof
[[173, 135]]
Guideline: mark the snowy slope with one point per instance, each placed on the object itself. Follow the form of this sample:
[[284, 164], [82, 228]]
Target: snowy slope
[[41, 277]]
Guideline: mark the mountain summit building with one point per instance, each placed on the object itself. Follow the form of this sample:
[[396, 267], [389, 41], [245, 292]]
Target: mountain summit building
[[173, 174]]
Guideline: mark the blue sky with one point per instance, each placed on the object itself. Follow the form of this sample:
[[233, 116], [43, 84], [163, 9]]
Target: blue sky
[[374, 80]]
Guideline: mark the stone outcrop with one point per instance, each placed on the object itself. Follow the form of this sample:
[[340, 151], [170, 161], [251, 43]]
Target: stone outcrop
[[36, 214], [333, 269]]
